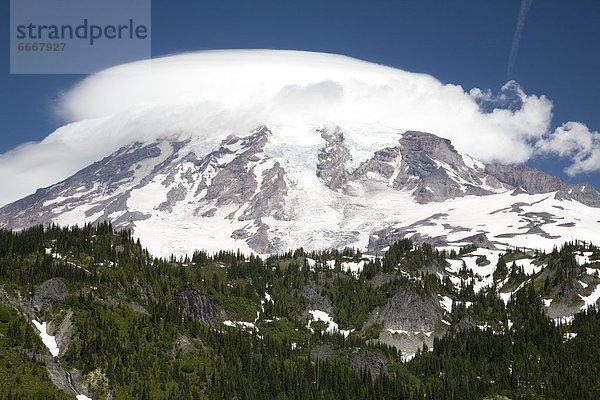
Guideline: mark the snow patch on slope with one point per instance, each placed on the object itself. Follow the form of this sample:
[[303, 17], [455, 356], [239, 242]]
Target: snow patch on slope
[[48, 340]]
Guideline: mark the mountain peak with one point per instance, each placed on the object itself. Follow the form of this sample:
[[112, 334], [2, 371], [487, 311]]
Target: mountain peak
[[267, 191]]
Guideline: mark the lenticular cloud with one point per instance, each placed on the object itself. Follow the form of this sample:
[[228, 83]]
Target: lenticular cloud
[[214, 93], [244, 87]]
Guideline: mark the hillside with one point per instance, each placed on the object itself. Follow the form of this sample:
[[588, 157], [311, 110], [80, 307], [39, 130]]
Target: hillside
[[417, 322]]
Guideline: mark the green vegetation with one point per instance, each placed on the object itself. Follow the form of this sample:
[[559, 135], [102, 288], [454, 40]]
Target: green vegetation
[[22, 372], [135, 337]]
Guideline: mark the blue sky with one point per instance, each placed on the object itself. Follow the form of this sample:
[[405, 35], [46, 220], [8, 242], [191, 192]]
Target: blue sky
[[460, 42]]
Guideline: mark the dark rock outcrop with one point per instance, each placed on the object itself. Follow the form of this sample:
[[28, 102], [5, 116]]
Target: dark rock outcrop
[[331, 167], [198, 306], [376, 364], [316, 301], [410, 312], [52, 291]]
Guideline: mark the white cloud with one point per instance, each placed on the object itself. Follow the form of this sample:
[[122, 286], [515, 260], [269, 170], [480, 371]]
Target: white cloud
[[212, 93], [575, 141]]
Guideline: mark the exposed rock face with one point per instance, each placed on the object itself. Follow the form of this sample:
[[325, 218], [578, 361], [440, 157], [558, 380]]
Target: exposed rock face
[[384, 163], [536, 181], [316, 301], [238, 174], [409, 321], [480, 240], [64, 332], [407, 311], [465, 324], [376, 364], [442, 172], [247, 192], [331, 167], [269, 200], [530, 179], [146, 292], [430, 167], [322, 352], [383, 238], [102, 188], [52, 291], [582, 193], [234, 182], [198, 306]]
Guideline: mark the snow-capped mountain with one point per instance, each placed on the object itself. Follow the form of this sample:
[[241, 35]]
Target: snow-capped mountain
[[286, 186]]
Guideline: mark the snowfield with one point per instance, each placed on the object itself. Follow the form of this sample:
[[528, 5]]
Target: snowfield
[[49, 341]]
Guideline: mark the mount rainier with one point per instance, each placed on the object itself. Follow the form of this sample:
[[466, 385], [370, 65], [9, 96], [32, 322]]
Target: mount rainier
[[265, 151], [268, 191]]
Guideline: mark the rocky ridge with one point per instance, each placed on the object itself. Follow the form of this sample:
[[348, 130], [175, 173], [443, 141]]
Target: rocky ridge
[[247, 192]]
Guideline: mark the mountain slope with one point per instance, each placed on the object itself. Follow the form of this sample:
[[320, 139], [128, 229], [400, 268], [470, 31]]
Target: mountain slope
[[282, 187], [116, 322]]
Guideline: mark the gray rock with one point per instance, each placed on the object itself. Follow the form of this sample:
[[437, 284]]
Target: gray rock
[[583, 193], [270, 199], [376, 364], [64, 332], [193, 304], [331, 167], [322, 352], [530, 179], [316, 301], [103, 187], [52, 291], [465, 324], [479, 240], [410, 312]]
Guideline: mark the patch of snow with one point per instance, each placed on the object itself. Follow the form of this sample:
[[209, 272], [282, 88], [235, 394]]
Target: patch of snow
[[583, 258], [241, 324], [332, 327], [473, 163], [484, 326], [397, 331], [49, 341], [353, 267], [592, 299], [446, 303], [547, 302], [528, 267], [82, 397], [563, 320], [592, 271], [506, 296]]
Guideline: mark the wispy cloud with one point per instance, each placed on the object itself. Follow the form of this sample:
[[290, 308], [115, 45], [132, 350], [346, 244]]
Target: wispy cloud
[[577, 142], [514, 50]]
